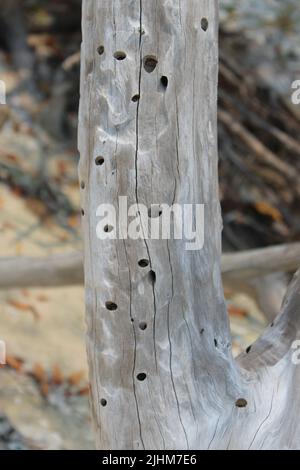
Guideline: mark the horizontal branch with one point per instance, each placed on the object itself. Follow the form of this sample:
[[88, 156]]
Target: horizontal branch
[[258, 263], [52, 271], [67, 269]]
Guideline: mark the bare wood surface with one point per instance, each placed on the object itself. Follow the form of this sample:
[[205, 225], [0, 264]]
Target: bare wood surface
[[67, 269], [52, 271], [162, 149], [173, 384], [257, 263]]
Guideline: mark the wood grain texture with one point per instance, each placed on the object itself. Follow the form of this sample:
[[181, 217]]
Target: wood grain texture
[[238, 269], [163, 149], [51, 271]]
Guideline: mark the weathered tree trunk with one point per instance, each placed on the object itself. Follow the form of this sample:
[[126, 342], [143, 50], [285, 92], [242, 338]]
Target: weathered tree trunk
[[159, 347]]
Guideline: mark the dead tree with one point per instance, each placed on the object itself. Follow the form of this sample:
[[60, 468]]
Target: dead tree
[[159, 345]]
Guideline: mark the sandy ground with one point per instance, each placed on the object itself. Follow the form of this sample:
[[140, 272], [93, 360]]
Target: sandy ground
[[43, 329]]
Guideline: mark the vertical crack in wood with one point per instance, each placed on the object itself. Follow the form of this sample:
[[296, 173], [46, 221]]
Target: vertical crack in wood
[[135, 348], [136, 172], [263, 422], [170, 347]]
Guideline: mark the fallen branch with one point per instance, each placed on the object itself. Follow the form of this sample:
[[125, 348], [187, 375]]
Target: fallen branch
[[67, 270], [53, 271], [260, 150], [258, 263]]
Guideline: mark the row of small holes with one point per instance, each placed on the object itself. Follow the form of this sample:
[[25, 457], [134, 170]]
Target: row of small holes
[[120, 55], [150, 63], [99, 161], [141, 377]]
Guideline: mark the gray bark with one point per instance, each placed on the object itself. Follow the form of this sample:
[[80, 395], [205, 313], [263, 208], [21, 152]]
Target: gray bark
[[172, 328]]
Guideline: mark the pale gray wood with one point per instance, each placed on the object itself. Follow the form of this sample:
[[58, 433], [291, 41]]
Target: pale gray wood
[[67, 270], [239, 270], [164, 149], [260, 262], [51, 271]]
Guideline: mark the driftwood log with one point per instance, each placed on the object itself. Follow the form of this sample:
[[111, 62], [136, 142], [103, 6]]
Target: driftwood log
[[161, 368]]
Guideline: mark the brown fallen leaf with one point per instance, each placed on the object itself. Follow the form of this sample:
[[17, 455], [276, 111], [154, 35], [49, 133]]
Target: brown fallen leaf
[[74, 221], [264, 208], [16, 191], [24, 307], [76, 378], [57, 376], [236, 311], [84, 391], [39, 373], [44, 387], [14, 363]]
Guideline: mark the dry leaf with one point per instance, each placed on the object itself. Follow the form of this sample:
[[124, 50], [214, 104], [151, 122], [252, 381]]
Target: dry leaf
[[39, 373], [45, 389], [57, 377], [76, 378], [265, 208], [73, 221], [24, 307], [236, 311], [17, 191], [84, 391], [14, 363]]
